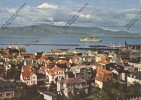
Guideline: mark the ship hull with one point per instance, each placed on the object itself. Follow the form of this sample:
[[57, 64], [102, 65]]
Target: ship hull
[[90, 40]]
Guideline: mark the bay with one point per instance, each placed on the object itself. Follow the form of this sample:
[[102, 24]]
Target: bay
[[59, 40]]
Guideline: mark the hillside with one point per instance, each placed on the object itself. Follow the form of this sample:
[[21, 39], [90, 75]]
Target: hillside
[[48, 30]]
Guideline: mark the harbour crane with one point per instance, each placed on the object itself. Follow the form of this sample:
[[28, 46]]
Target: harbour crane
[[12, 17], [74, 18]]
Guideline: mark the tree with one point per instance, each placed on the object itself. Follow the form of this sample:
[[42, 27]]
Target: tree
[[134, 90]]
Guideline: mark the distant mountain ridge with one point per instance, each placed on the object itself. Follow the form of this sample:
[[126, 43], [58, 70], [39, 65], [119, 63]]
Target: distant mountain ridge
[[48, 30]]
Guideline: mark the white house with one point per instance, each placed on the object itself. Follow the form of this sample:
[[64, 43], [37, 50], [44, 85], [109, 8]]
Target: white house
[[55, 74], [7, 94], [72, 85], [7, 89], [28, 76], [48, 95], [131, 79]]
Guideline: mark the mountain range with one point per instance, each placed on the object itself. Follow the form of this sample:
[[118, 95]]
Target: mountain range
[[52, 30]]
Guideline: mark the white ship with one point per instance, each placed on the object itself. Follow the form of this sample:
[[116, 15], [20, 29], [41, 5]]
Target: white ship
[[90, 39]]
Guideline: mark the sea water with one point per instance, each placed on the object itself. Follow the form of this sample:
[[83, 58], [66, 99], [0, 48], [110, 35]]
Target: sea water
[[5, 41]]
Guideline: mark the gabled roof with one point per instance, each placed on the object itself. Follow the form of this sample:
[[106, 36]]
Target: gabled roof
[[71, 81], [49, 62], [27, 74], [73, 59], [103, 75], [101, 71], [53, 70], [27, 68], [62, 61], [43, 68], [77, 69]]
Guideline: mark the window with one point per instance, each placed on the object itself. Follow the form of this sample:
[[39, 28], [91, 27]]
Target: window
[[0, 94], [8, 94], [33, 82]]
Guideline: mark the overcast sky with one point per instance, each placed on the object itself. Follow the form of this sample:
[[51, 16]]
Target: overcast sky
[[109, 14]]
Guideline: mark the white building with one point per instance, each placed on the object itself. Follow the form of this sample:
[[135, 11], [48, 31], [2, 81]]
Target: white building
[[48, 95], [7, 94], [72, 85], [55, 74], [28, 76]]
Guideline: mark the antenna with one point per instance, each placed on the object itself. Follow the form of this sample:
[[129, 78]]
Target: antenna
[[12, 17], [74, 17]]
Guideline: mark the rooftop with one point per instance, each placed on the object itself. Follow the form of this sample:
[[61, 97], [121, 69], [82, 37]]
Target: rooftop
[[70, 81]]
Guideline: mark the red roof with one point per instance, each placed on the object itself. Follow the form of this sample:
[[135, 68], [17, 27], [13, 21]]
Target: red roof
[[43, 68], [101, 70], [53, 70], [27, 68], [27, 74], [62, 61], [103, 75]]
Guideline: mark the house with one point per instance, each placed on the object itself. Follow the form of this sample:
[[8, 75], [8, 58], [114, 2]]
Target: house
[[81, 72], [134, 77], [2, 70], [72, 85], [49, 62], [55, 74], [41, 61], [63, 63], [48, 95], [43, 69], [39, 54], [102, 76], [73, 60], [7, 66], [2, 61], [7, 90], [28, 76], [118, 71], [25, 54], [14, 49], [4, 53], [100, 58]]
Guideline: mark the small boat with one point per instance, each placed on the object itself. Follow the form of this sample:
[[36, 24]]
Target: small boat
[[90, 39], [36, 40]]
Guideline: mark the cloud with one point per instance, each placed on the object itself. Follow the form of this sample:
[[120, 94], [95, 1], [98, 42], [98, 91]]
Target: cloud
[[91, 16], [81, 15], [47, 5]]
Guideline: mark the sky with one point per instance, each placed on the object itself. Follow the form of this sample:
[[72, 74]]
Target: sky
[[108, 14]]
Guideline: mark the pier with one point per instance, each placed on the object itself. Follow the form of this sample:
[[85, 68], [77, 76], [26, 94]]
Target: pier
[[115, 49], [43, 44]]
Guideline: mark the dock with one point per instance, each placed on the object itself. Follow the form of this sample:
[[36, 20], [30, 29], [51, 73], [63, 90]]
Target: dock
[[43, 44], [114, 49]]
